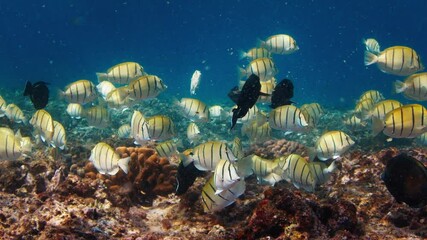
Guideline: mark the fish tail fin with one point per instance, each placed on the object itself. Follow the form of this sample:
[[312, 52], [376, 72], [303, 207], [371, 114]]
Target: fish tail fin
[[60, 94], [124, 164], [365, 114], [241, 72], [370, 58], [377, 126], [330, 169], [261, 43], [243, 54], [28, 88], [102, 77], [311, 153], [244, 166], [399, 86]]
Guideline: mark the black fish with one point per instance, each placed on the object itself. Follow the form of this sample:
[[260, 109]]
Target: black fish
[[39, 93], [247, 98], [282, 94], [234, 94], [406, 179], [185, 177]]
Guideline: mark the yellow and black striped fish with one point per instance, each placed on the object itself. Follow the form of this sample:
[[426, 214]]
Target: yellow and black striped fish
[[225, 175], [139, 128], [414, 87], [321, 172], [81, 91], [280, 44], [297, 171], [107, 161], [264, 68], [375, 95], [237, 148], [215, 202], [15, 114], [124, 131], [287, 118], [265, 170], [194, 109], [75, 110], [167, 149], [122, 73], [354, 122], [193, 133], [13, 146], [59, 138], [255, 53], [207, 155], [3, 106], [381, 109], [332, 144], [312, 113], [146, 87], [267, 87], [372, 45], [43, 123], [397, 60], [363, 106], [408, 121], [160, 128], [255, 133], [97, 116]]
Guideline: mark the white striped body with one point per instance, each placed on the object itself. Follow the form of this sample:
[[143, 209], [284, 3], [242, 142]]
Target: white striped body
[[297, 171], [255, 53], [408, 121], [139, 128], [397, 60], [97, 116], [312, 113], [287, 118], [59, 138], [375, 95], [10, 147], [104, 88], [256, 133], [264, 68], [237, 148], [267, 87], [160, 128], [332, 144], [414, 87], [321, 172], [280, 44], [215, 202], [81, 91], [106, 160], [363, 106], [75, 110], [217, 112], [194, 109], [372, 45], [122, 73], [382, 108], [265, 170], [207, 155], [193, 133], [118, 98], [354, 122], [167, 149], [43, 123], [3, 106], [15, 114], [146, 87], [124, 131], [225, 175]]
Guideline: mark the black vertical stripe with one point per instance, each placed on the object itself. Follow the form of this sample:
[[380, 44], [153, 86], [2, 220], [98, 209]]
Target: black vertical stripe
[[393, 123], [402, 123], [403, 60]]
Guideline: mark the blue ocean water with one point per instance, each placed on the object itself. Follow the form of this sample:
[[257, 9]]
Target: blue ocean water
[[63, 41]]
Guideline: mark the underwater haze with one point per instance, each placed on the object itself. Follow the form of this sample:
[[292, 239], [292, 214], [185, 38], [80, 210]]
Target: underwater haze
[[62, 41]]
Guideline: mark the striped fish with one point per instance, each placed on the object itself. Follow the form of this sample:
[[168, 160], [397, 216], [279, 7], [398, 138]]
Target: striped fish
[[107, 161], [312, 113], [372, 45], [237, 148], [146, 87], [15, 114], [414, 87], [6, 131], [207, 155], [332, 144], [124, 131], [363, 106], [381, 109], [255, 133], [194, 109], [193, 133], [118, 98], [167, 149], [104, 88], [122, 73], [250, 116], [397, 60], [59, 136], [3, 106], [264, 68], [321, 172], [217, 112], [297, 171], [354, 122], [375, 95], [160, 128], [43, 124], [97, 116], [267, 87], [280, 44], [215, 202], [265, 170], [287, 118], [139, 128], [408, 121], [225, 175], [13, 146], [75, 110], [255, 53], [81, 91]]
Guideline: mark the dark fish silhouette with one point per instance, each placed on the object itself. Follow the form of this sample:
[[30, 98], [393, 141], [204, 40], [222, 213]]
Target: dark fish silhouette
[[406, 179], [282, 94], [234, 94], [185, 177], [247, 98], [39, 93]]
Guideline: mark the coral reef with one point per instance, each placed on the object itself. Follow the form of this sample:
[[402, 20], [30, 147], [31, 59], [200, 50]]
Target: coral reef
[[276, 148]]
